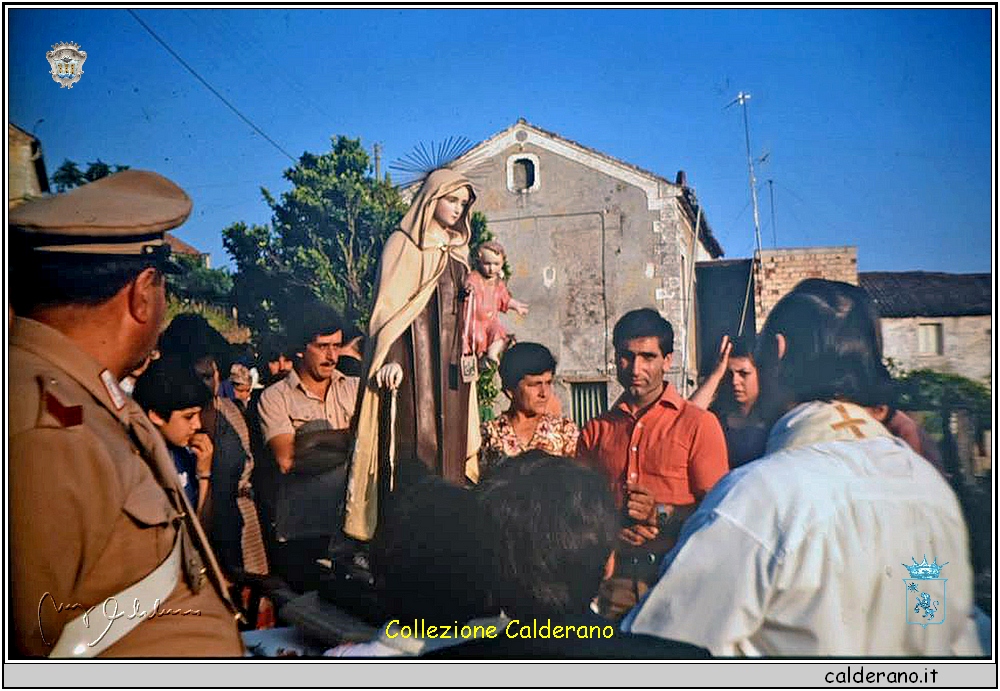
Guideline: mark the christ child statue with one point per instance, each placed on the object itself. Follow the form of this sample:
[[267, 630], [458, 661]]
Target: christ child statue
[[488, 296]]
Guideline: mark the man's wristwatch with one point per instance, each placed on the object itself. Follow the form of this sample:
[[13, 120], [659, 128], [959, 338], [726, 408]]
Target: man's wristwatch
[[664, 512]]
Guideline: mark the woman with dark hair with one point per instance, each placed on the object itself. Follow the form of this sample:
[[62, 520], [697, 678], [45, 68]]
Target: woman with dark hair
[[526, 373], [730, 391]]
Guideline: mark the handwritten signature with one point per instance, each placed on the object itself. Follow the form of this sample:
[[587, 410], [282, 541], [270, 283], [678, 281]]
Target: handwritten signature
[[111, 613]]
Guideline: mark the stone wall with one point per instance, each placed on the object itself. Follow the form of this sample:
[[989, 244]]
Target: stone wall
[[22, 175], [585, 247], [777, 271], [966, 345]]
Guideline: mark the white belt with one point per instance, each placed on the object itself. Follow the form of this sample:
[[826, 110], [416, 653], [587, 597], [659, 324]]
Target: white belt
[[81, 640]]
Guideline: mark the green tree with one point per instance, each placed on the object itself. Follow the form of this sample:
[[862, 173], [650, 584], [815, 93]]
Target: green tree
[[942, 393], [324, 242], [68, 175], [261, 287], [200, 284], [480, 234]]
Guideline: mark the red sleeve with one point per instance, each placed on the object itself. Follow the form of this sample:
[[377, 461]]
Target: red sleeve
[[587, 443], [503, 297], [709, 459]]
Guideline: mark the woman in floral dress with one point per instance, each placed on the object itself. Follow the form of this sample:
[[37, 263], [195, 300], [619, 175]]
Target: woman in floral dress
[[526, 374]]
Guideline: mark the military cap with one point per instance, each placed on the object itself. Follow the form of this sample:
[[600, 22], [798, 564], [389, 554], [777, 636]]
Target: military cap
[[124, 214]]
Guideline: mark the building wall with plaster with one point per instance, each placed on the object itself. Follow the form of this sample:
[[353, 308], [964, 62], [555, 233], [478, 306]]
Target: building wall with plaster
[[590, 240], [966, 344], [25, 168]]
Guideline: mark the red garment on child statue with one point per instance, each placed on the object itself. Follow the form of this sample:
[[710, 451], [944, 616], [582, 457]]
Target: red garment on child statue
[[490, 299]]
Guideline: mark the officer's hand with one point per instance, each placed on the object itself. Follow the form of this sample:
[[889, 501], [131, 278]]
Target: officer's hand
[[639, 534], [389, 375], [202, 447], [641, 504]]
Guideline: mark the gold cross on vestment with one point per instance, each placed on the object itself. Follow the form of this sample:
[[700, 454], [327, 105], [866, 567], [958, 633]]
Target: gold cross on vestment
[[848, 421]]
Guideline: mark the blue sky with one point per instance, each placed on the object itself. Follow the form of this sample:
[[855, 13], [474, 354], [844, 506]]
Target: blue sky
[[876, 123]]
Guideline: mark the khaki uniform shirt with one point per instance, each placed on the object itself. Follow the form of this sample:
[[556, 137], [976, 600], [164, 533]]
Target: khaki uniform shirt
[[95, 507], [286, 405]]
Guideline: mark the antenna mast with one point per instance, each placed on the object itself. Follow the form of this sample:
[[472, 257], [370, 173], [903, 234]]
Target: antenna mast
[[742, 98], [774, 227]]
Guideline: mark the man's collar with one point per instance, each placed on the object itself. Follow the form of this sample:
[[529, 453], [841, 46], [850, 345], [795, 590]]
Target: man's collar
[[59, 349], [292, 379], [295, 381], [669, 398]]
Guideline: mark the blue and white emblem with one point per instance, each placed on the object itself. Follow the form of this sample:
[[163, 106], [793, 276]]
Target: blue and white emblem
[[66, 61], [925, 593]]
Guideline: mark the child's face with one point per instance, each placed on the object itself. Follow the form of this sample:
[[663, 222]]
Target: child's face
[[242, 392], [491, 263], [451, 207], [181, 426]]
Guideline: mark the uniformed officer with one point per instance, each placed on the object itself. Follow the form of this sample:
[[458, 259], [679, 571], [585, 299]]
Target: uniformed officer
[[106, 556]]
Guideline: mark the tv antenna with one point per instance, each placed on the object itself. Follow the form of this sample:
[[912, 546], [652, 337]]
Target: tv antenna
[[742, 98], [774, 226]]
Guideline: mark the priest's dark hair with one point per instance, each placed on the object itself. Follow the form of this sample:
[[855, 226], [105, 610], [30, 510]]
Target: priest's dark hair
[[832, 346]]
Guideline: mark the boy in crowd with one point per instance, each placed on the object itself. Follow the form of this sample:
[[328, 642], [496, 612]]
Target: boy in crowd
[[173, 396]]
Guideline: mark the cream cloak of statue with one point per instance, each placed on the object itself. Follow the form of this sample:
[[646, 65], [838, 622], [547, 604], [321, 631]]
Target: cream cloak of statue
[[413, 259]]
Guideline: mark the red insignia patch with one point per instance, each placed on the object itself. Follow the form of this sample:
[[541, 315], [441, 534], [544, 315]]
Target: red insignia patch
[[67, 415]]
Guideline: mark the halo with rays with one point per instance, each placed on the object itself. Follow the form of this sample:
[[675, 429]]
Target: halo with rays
[[423, 159]]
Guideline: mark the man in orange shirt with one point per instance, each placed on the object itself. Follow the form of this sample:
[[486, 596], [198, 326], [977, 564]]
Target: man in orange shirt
[[659, 453]]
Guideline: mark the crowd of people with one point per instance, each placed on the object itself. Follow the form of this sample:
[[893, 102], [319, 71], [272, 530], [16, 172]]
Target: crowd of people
[[771, 514]]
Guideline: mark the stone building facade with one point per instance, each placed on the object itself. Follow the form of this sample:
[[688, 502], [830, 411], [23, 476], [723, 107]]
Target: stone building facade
[[588, 238], [936, 321], [954, 345], [26, 176]]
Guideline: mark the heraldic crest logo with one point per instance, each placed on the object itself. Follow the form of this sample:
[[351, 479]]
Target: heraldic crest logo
[[66, 61], [925, 593]]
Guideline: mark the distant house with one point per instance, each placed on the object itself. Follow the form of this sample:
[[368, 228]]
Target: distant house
[[178, 246], [26, 176], [936, 321], [588, 238]]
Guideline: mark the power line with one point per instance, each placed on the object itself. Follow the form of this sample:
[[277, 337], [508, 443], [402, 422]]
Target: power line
[[208, 86]]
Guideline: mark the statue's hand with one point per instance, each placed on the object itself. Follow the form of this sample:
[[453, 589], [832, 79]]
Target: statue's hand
[[389, 376]]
